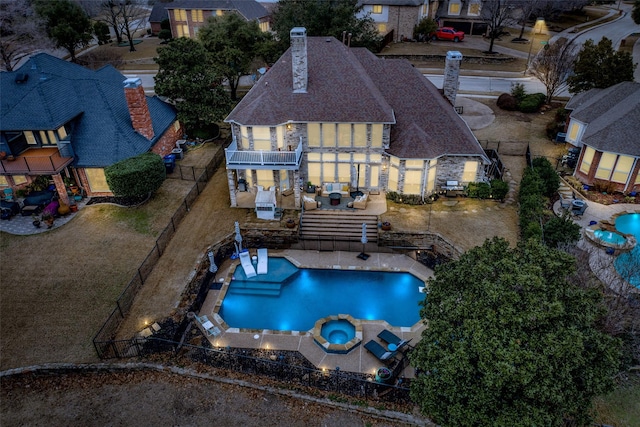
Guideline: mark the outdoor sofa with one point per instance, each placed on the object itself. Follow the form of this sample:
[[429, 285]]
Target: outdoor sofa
[[335, 187], [309, 203]]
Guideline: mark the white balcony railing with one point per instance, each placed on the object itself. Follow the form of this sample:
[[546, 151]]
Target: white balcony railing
[[260, 159]]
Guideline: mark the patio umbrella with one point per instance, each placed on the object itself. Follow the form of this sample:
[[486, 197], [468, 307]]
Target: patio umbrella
[[212, 267], [363, 255]]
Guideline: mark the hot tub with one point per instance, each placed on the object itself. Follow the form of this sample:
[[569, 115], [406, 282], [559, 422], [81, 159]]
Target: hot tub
[[337, 334]]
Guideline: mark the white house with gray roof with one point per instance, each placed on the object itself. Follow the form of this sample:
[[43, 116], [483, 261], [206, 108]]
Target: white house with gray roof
[[328, 113], [605, 123]]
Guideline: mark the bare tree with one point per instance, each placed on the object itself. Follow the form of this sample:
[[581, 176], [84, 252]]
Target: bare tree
[[526, 9], [553, 65], [133, 16], [110, 14], [498, 14], [21, 32]]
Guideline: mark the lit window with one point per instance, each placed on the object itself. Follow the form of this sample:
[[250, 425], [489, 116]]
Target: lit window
[[587, 158], [359, 135], [313, 134], [19, 179], [622, 170], [573, 132], [183, 30], [97, 180], [62, 132], [454, 7], [382, 28], [412, 181], [261, 138], [3, 181], [470, 171], [376, 9], [219, 13], [605, 166], [474, 8], [196, 16], [31, 139], [264, 26], [180, 14]]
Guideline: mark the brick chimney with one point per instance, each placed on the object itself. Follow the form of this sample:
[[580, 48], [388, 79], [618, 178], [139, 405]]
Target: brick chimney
[[298, 37], [451, 74], [138, 108]]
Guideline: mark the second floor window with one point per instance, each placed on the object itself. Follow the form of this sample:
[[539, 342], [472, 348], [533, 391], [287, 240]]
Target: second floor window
[[180, 14], [197, 16], [454, 7], [376, 8]]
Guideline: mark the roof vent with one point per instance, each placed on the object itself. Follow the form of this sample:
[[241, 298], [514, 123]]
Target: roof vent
[[22, 78]]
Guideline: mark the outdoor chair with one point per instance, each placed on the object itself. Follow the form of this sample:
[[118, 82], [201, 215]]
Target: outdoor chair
[[379, 351], [391, 338]]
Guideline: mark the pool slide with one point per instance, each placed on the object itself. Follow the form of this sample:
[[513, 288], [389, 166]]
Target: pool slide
[[263, 261], [245, 259]]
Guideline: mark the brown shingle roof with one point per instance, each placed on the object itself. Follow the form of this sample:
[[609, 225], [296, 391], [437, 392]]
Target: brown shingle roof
[[354, 86]]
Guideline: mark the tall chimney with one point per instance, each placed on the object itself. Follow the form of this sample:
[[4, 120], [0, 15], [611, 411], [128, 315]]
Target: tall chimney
[[138, 108], [451, 74], [298, 37]]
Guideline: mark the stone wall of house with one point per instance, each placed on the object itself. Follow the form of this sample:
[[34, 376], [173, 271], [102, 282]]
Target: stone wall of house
[[402, 19], [451, 168]]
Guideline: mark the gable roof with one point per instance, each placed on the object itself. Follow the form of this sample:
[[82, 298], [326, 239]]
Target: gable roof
[[249, 9], [612, 116], [57, 92], [351, 85], [159, 12]]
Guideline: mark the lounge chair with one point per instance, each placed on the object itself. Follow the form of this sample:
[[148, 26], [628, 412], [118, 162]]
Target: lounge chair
[[263, 261], [209, 327], [391, 338], [245, 260], [379, 351]]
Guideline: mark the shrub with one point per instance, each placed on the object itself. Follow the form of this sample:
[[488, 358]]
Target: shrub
[[407, 199], [531, 103], [602, 186], [164, 35], [560, 230], [507, 102], [532, 231], [518, 91], [550, 178], [136, 176], [557, 124], [499, 189], [101, 30]]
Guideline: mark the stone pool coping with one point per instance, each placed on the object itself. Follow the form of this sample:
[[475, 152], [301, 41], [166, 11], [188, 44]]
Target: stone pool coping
[[337, 348]]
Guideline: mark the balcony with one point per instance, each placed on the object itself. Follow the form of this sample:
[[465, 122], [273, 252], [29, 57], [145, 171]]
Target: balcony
[[269, 160], [35, 161]]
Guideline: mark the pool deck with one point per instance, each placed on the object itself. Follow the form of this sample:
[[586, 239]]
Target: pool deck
[[358, 359]]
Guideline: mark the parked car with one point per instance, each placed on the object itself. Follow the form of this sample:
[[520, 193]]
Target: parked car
[[447, 33]]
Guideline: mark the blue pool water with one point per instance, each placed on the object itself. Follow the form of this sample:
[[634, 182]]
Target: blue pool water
[[338, 331], [627, 263], [610, 237], [292, 299]]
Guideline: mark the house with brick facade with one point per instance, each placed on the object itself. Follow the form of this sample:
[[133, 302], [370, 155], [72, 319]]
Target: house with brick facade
[[399, 16], [328, 113], [605, 124], [187, 16], [60, 119]]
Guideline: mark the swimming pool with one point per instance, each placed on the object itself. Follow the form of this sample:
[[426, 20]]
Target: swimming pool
[[292, 299], [610, 237], [627, 263]]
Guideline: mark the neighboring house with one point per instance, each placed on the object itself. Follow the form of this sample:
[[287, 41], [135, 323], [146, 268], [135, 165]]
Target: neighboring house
[[605, 124], [463, 15], [399, 16], [61, 119], [187, 16], [329, 113], [158, 14]]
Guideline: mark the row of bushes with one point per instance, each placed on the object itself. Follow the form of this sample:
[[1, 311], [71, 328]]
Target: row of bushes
[[539, 184], [496, 189], [409, 199], [520, 100]]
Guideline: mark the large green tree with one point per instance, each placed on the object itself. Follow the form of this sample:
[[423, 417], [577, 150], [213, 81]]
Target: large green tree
[[188, 76], [335, 18], [509, 341], [68, 25], [234, 44], [600, 66], [635, 12]]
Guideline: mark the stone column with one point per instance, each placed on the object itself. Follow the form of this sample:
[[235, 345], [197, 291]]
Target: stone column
[[61, 189], [296, 189], [232, 188], [451, 74]]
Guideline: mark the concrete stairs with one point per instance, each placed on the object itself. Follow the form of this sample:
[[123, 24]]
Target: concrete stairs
[[337, 225]]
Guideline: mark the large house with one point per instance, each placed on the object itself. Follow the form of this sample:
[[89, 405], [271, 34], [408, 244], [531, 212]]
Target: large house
[[64, 120], [187, 16], [399, 16], [327, 113], [605, 124]]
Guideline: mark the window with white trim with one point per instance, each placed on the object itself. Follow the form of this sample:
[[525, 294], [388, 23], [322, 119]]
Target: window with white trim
[[470, 171], [197, 16], [474, 8], [183, 30], [622, 169], [587, 158], [376, 9], [180, 14], [454, 7], [605, 166], [30, 137]]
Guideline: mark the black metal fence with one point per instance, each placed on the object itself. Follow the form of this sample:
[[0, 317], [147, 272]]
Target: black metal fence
[[283, 366], [103, 340]]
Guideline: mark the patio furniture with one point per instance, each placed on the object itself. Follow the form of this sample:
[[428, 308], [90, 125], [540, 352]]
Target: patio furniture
[[334, 199], [578, 207], [263, 261], [379, 351], [245, 260], [392, 339], [360, 202], [309, 203], [335, 187]]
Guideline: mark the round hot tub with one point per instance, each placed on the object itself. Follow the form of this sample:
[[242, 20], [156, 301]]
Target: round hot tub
[[610, 237], [337, 334]]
